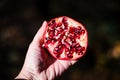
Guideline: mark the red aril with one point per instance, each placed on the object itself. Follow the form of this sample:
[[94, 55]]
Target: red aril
[[66, 38]]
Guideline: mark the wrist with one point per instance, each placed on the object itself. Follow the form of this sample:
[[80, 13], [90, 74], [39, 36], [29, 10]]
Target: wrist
[[24, 75]]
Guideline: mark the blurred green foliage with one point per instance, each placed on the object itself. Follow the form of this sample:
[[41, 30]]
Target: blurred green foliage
[[20, 20]]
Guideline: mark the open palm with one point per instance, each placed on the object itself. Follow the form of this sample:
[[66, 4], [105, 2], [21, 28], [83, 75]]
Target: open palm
[[39, 64]]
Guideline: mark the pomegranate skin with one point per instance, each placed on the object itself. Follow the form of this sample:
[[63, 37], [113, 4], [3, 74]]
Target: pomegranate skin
[[65, 38]]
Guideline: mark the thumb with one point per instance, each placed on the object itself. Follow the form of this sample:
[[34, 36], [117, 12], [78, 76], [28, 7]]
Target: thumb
[[40, 34]]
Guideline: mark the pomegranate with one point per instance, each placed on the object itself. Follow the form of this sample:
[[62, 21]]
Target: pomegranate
[[65, 38]]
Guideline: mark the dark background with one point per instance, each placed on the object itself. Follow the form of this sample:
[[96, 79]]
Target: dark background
[[20, 20]]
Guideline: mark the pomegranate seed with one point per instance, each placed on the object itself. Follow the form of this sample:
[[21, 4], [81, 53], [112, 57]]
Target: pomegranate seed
[[59, 24], [49, 24], [59, 40], [79, 49], [60, 46], [74, 44], [47, 38], [51, 34], [57, 50], [69, 55], [67, 44], [53, 25], [73, 40], [53, 21], [77, 45], [71, 52], [60, 30], [79, 53], [48, 41], [83, 31], [77, 31], [57, 55], [73, 49], [83, 48], [71, 30], [66, 49], [54, 40], [79, 27], [64, 19], [65, 24]]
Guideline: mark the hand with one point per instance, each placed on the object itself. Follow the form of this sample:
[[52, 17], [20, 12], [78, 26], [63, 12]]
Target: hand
[[39, 64]]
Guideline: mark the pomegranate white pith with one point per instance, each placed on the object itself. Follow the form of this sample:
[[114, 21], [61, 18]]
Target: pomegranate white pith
[[65, 38]]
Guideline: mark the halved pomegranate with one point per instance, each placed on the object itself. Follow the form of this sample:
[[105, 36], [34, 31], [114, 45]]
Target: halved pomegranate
[[65, 38]]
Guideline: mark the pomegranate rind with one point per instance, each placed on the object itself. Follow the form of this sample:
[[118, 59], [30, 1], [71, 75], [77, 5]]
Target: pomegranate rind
[[83, 41]]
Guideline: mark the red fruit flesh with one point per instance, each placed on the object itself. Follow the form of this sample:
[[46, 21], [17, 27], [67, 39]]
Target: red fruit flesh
[[65, 38]]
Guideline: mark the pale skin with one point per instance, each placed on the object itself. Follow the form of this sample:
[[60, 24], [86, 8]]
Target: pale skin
[[39, 64]]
